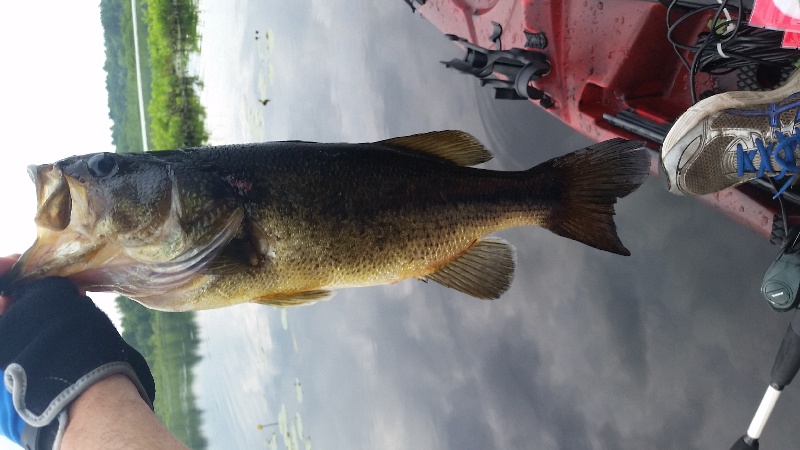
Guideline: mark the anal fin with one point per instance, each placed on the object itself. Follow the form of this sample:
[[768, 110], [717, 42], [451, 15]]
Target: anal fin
[[484, 271], [294, 298]]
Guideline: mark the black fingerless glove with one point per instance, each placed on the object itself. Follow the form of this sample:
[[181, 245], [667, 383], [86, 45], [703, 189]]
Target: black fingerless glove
[[54, 344]]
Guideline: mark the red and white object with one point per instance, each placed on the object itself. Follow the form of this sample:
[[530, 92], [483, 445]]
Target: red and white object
[[776, 14]]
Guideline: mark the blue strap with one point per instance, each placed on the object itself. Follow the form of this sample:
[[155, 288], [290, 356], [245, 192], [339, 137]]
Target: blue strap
[[11, 424]]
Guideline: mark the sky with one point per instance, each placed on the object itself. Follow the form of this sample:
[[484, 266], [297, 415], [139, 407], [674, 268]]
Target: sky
[[54, 98], [668, 348], [54, 103]]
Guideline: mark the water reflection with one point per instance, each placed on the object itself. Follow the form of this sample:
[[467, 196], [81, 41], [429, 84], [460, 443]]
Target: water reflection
[[169, 342], [667, 348]]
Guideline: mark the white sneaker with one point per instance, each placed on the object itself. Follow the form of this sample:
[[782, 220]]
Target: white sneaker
[[733, 137]]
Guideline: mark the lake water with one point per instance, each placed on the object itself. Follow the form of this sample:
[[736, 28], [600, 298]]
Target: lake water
[[668, 348]]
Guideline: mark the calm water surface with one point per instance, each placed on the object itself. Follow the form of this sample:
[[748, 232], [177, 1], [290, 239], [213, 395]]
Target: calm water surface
[[668, 348]]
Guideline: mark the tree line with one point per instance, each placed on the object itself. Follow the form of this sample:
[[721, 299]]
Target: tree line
[[175, 109], [120, 66], [167, 37]]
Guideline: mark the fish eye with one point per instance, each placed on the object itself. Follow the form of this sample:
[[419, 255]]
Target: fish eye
[[102, 165]]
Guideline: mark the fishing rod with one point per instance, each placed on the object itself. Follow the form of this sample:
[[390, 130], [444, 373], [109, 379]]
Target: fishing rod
[[779, 288]]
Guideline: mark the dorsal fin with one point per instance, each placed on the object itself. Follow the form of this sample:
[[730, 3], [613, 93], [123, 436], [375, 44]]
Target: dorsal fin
[[455, 146], [485, 270]]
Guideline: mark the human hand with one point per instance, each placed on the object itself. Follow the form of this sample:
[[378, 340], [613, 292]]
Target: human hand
[[56, 344]]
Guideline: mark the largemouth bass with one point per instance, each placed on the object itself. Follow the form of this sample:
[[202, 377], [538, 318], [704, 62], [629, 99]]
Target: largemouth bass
[[286, 223]]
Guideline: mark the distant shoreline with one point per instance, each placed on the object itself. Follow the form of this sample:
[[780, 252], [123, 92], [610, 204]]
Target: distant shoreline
[[167, 35]]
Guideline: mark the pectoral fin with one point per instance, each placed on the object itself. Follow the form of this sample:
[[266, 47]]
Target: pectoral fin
[[484, 271], [237, 256], [294, 298], [254, 249]]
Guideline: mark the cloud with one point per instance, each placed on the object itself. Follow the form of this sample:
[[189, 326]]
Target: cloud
[[669, 348]]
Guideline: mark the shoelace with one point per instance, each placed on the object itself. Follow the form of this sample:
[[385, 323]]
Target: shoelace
[[781, 151]]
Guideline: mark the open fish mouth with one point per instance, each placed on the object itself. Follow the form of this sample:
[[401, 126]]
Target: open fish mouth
[[53, 198], [106, 235], [59, 248]]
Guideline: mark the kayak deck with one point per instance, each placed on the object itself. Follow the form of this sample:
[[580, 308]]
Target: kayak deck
[[612, 72]]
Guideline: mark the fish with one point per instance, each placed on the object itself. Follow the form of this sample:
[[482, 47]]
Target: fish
[[288, 223]]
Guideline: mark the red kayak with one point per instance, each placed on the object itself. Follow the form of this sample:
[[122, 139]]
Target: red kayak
[[605, 68]]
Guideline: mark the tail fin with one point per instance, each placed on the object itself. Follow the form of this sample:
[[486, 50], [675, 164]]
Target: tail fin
[[592, 179]]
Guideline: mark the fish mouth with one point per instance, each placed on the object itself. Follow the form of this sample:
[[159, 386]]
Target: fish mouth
[[62, 246], [73, 241], [53, 197]]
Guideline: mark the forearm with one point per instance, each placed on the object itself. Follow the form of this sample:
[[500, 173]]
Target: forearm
[[112, 415]]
